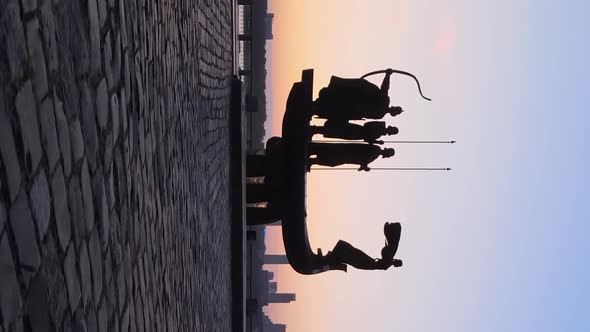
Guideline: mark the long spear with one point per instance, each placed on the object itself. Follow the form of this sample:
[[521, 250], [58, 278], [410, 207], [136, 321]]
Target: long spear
[[382, 169], [359, 141]]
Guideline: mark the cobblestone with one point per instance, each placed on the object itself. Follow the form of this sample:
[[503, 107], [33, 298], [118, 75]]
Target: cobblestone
[[37, 305], [10, 301], [14, 41], [29, 127], [8, 150], [24, 235], [63, 134], [37, 58], [60, 207], [114, 146], [85, 273], [77, 141], [72, 282], [41, 203], [48, 132]]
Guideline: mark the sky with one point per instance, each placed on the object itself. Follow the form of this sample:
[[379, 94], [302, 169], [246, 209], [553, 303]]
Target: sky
[[498, 243]]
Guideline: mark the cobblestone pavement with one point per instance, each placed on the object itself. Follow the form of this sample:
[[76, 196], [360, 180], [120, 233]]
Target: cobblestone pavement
[[114, 167]]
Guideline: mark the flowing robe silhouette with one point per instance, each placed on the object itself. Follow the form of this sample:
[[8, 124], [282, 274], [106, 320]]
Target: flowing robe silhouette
[[335, 154], [369, 132], [353, 99], [346, 253]]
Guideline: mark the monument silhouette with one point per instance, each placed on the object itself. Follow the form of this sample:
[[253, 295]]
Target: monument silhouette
[[369, 131], [287, 160]]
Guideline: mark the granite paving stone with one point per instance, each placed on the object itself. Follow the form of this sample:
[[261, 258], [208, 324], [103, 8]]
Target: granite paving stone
[[48, 29], [102, 317], [41, 203], [49, 132], [101, 208], [96, 263], [14, 40], [107, 57], [8, 150], [60, 208], [115, 116], [63, 134], [37, 304], [87, 197], [134, 163], [88, 120], [51, 270], [76, 209], [102, 106], [102, 12], [29, 5], [24, 234], [3, 217], [29, 127], [91, 322], [10, 297], [95, 59], [77, 141], [85, 274], [37, 58], [72, 282]]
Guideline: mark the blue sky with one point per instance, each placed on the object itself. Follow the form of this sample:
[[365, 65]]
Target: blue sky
[[500, 243]]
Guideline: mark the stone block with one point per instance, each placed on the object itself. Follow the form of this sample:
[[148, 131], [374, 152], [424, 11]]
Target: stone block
[[85, 273], [102, 317], [9, 157], [41, 203], [63, 134], [60, 208], [37, 58], [102, 210], [48, 29], [3, 217], [95, 52], [115, 116], [24, 235], [102, 12], [123, 111], [76, 209], [14, 41], [72, 282], [102, 104], [10, 298], [37, 304], [29, 127], [96, 265], [88, 119], [87, 197], [76, 141], [29, 5], [107, 58], [49, 132]]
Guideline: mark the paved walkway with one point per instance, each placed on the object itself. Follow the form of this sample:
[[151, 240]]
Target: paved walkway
[[114, 164]]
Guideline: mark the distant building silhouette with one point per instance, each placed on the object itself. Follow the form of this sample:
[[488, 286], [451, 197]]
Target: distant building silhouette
[[268, 25], [272, 287], [276, 259], [281, 297], [269, 326]]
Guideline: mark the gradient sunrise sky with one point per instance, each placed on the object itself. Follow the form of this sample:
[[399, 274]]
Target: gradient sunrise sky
[[499, 243]]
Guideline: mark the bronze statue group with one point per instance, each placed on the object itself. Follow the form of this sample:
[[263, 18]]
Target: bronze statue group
[[342, 101]]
